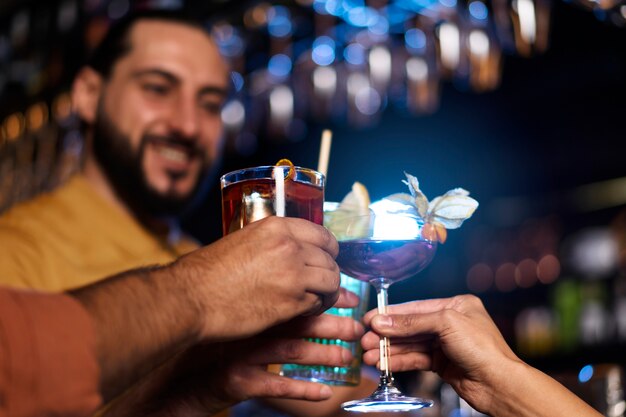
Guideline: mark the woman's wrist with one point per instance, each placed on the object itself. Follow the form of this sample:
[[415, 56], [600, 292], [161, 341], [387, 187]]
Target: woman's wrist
[[509, 389], [525, 391]]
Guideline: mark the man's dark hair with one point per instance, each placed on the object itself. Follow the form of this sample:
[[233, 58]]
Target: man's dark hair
[[116, 42]]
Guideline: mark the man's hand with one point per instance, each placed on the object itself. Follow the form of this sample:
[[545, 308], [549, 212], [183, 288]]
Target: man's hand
[[266, 273], [210, 377]]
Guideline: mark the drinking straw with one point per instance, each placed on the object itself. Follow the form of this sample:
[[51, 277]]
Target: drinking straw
[[322, 165], [279, 198]]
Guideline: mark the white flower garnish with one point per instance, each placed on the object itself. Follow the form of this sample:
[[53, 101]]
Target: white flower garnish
[[448, 211]]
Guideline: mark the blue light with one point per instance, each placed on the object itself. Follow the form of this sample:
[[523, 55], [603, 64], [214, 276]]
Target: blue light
[[279, 22], [354, 54], [362, 16], [323, 52], [478, 10], [415, 39], [585, 374], [279, 65], [320, 6], [448, 3], [396, 15], [389, 226], [228, 40], [334, 7], [416, 6], [380, 26], [237, 80]]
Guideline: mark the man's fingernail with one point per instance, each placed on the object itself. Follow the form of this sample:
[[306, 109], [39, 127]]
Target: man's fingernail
[[354, 299], [358, 329], [326, 391], [382, 321], [346, 356]]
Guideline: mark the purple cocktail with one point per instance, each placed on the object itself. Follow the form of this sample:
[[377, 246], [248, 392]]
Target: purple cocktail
[[383, 249], [392, 260], [394, 243]]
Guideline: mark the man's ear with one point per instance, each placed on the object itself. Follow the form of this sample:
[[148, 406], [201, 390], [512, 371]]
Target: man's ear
[[86, 92]]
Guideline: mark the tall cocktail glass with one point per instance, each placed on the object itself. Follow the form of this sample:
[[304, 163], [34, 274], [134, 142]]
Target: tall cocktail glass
[[252, 194], [337, 375]]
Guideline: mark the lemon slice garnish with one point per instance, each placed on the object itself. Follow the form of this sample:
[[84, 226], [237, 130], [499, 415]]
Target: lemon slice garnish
[[355, 203], [357, 200], [291, 174]]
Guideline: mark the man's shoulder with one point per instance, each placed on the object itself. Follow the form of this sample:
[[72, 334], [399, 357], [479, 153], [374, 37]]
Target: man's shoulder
[[42, 212]]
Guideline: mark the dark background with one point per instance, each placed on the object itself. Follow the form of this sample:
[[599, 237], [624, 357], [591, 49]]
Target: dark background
[[555, 123]]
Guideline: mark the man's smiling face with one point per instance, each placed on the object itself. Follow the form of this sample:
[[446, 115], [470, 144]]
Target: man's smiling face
[[158, 125]]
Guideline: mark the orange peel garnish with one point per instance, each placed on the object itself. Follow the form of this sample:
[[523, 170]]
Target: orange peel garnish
[[435, 232], [292, 169]]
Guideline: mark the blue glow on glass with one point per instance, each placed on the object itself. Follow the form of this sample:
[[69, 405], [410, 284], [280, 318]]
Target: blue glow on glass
[[388, 226], [448, 3], [478, 10], [585, 374], [415, 39], [237, 80], [279, 65], [354, 54], [323, 51]]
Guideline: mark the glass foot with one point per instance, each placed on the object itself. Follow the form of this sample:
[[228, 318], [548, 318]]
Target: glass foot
[[386, 399]]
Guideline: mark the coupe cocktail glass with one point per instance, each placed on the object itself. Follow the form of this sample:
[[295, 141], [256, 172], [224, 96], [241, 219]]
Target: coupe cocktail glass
[[383, 249]]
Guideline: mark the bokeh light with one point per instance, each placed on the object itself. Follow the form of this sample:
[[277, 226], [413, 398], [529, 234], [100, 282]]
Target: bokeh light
[[505, 277], [548, 269], [480, 278]]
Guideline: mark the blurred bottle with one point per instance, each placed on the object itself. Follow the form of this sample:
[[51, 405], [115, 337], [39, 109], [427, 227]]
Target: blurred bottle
[[596, 321], [567, 303], [535, 331], [619, 307]]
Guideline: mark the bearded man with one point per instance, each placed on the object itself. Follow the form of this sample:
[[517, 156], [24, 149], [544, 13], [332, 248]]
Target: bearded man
[[149, 101]]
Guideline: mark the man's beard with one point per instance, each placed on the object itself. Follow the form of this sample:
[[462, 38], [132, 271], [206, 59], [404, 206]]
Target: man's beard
[[123, 168]]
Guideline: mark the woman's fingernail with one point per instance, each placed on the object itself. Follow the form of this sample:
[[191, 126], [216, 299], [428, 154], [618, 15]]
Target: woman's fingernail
[[326, 391], [382, 321]]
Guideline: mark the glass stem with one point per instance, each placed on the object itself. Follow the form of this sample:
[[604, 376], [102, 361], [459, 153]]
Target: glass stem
[[386, 378]]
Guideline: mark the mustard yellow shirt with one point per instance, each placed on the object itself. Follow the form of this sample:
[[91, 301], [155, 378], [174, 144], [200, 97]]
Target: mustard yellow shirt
[[72, 237]]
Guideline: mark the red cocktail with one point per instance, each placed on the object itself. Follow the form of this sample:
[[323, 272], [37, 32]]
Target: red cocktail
[[254, 193]]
